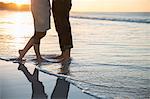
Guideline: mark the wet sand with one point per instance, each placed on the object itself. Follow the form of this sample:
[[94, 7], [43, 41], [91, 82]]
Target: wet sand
[[30, 83]]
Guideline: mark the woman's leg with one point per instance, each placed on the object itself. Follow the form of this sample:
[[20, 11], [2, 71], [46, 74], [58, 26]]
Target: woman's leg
[[34, 41], [25, 49]]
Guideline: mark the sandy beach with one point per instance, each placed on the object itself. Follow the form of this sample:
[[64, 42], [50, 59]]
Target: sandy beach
[[28, 82], [110, 58]]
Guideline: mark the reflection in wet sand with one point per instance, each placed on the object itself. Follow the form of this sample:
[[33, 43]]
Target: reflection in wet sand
[[62, 86], [38, 91], [61, 89]]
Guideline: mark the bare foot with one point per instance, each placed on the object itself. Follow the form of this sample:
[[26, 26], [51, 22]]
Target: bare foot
[[65, 57], [65, 61]]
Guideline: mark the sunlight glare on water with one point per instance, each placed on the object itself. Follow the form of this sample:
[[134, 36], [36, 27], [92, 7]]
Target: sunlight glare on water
[[15, 29], [20, 27]]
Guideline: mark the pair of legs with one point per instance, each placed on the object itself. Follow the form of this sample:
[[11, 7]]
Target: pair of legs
[[35, 42], [61, 9], [41, 14]]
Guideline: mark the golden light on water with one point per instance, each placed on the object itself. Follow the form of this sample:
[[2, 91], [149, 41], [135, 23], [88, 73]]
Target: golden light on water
[[17, 32], [18, 28], [18, 5]]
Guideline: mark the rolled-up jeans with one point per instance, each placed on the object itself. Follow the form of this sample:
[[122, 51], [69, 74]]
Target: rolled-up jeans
[[61, 9]]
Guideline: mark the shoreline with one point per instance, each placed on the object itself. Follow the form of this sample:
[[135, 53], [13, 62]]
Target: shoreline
[[25, 83]]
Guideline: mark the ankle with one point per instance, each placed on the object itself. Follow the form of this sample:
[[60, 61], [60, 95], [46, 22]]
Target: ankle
[[66, 53], [21, 54]]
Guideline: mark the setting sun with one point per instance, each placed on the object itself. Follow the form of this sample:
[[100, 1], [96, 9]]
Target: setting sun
[[19, 2]]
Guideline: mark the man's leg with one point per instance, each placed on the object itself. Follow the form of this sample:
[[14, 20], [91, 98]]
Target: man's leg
[[61, 10]]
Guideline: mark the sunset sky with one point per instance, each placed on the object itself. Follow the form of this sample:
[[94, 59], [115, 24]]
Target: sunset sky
[[103, 5]]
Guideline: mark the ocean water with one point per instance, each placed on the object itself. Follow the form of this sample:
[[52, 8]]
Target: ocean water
[[111, 54]]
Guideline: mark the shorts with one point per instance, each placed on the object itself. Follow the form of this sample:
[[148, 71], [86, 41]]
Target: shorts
[[41, 14]]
